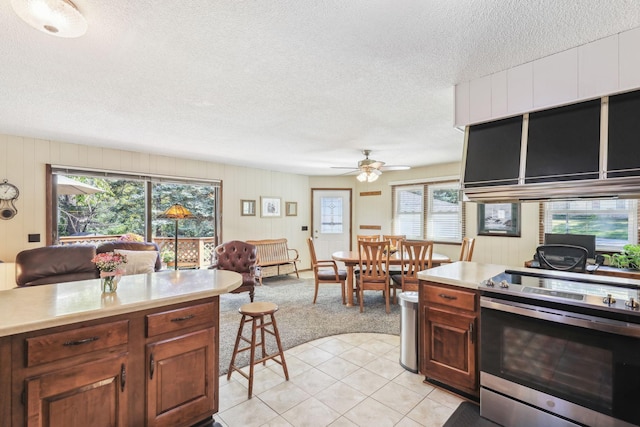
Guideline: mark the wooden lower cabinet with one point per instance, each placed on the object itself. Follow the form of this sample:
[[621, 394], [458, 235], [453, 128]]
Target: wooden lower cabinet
[[155, 367], [180, 386], [448, 344], [90, 394]]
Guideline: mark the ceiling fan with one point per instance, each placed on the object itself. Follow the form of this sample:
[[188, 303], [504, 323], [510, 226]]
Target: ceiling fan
[[370, 169]]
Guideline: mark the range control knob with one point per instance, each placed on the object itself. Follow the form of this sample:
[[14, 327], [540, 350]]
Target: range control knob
[[488, 283], [632, 303], [609, 300], [504, 284]]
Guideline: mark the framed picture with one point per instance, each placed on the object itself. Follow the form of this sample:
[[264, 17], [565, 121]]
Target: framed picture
[[291, 208], [499, 219], [247, 207], [270, 207]]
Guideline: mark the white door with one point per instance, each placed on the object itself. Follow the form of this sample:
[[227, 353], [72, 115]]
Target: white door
[[331, 221]]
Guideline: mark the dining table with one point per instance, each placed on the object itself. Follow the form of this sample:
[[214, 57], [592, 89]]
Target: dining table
[[352, 258]]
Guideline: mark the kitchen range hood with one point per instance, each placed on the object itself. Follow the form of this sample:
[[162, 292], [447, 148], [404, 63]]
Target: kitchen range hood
[[580, 151], [623, 188]]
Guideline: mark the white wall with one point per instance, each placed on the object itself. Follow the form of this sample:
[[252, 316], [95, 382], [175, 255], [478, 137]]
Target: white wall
[[23, 160]]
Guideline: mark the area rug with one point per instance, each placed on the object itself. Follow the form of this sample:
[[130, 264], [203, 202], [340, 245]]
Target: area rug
[[299, 320], [467, 414]]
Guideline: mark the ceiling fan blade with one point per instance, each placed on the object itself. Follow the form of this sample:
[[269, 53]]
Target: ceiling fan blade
[[344, 167], [395, 168]]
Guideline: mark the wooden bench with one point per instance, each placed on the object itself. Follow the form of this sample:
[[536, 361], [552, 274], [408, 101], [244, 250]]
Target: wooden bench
[[275, 258]]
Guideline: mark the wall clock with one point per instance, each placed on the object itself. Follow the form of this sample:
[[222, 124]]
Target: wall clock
[[8, 194]]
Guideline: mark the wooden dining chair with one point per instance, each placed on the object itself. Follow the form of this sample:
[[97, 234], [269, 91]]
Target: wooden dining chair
[[416, 257], [395, 239], [466, 251], [326, 271], [369, 237], [395, 242], [373, 274]]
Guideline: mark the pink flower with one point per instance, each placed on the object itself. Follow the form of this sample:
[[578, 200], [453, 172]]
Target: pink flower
[[131, 237], [109, 261]]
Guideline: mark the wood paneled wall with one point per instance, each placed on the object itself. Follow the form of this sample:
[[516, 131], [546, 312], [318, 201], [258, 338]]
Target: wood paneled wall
[[23, 160]]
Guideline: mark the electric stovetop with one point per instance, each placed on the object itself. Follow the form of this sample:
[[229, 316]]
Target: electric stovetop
[[582, 290]]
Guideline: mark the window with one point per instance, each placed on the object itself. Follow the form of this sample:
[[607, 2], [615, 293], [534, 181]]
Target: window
[[612, 221], [96, 206], [428, 211], [331, 220], [409, 212]]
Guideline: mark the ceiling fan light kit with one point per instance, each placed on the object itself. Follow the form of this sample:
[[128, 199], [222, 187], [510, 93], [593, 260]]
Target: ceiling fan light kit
[[368, 175], [60, 18], [369, 169]]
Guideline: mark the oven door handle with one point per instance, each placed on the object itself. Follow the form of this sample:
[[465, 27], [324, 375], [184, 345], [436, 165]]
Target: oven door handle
[[558, 316]]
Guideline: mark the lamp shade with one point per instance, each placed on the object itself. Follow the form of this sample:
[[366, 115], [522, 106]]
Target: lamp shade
[[59, 18], [176, 211]]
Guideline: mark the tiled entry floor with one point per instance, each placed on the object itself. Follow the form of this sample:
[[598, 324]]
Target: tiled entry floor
[[342, 380]]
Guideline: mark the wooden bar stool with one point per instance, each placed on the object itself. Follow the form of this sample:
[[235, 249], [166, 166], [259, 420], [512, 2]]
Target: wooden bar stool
[[254, 313]]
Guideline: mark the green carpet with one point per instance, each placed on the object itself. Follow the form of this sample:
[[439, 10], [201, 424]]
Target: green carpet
[[299, 320]]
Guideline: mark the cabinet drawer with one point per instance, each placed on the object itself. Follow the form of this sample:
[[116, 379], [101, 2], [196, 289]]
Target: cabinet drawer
[[463, 300], [181, 318], [60, 345]]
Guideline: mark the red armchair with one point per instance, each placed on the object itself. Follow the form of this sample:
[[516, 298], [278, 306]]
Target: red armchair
[[240, 257]]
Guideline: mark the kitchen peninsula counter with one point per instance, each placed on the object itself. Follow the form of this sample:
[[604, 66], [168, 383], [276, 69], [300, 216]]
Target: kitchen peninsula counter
[[45, 306], [147, 353]]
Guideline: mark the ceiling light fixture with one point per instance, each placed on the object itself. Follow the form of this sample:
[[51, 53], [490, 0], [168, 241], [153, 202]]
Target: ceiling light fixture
[[59, 18], [368, 175]]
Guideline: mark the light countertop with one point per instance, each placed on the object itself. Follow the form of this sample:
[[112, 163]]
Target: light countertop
[[470, 274], [38, 307], [464, 274]]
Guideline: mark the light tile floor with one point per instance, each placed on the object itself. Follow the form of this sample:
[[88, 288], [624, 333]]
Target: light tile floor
[[343, 380]]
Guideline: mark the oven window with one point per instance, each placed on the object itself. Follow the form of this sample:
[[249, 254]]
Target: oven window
[[593, 369], [568, 367]]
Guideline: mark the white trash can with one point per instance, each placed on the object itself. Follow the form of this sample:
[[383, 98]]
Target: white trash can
[[409, 331]]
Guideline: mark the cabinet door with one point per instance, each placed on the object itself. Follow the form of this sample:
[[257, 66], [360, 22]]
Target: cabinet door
[[450, 353], [182, 375], [91, 394]]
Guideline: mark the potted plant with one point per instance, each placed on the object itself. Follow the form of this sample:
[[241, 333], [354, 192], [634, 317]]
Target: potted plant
[[628, 258], [167, 257]]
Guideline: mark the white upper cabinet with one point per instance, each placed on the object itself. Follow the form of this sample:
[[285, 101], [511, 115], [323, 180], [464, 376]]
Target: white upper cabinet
[[520, 88], [603, 67], [480, 99], [461, 115], [629, 59], [499, 104], [598, 68], [555, 79]]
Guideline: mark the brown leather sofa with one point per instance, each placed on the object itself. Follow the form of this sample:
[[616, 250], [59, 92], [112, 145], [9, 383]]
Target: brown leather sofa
[[56, 264], [240, 257]]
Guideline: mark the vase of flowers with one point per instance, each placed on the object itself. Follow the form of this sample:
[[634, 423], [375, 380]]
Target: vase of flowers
[[110, 266]]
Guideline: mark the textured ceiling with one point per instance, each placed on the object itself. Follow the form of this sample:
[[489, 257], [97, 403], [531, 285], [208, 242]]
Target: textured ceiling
[[289, 85]]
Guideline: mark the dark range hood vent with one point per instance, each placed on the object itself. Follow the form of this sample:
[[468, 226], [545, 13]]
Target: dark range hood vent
[[580, 151]]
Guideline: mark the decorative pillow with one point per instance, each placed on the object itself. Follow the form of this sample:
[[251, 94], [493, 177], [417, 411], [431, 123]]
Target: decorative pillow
[[139, 262]]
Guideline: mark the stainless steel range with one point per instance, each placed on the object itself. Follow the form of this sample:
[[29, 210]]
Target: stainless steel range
[[559, 349]]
